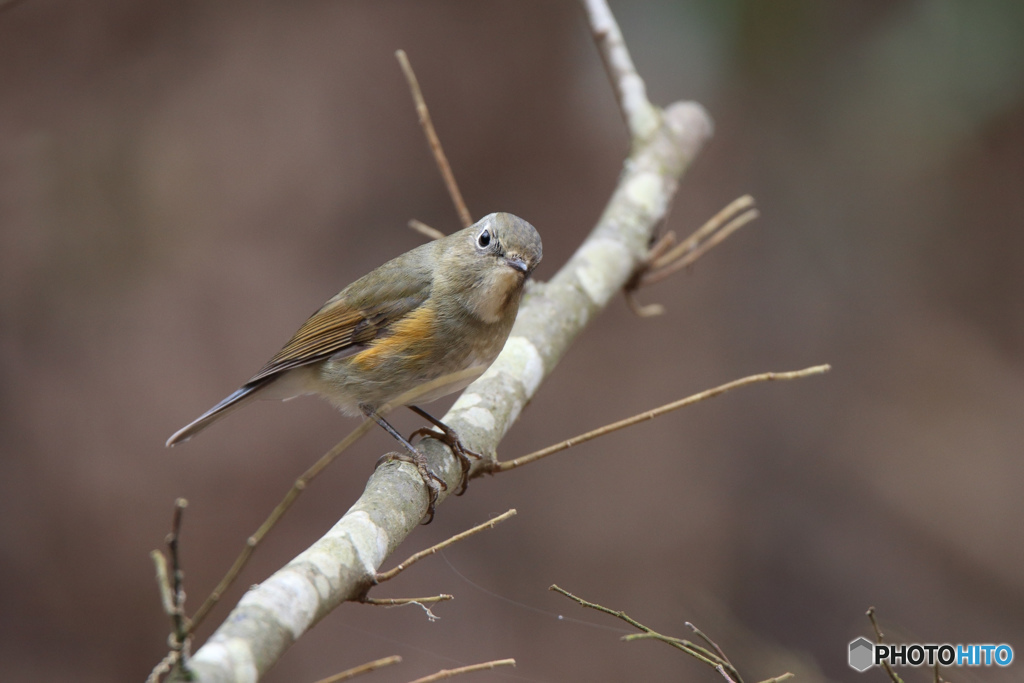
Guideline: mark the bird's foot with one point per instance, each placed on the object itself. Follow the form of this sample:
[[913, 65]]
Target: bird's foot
[[450, 438]]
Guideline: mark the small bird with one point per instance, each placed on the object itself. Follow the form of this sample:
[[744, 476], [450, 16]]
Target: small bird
[[421, 326]]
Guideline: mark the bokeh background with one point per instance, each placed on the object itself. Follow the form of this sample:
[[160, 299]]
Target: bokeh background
[[182, 183]]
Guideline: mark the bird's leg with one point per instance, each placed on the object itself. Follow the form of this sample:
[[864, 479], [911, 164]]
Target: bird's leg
[[448, 436], [433, 482]]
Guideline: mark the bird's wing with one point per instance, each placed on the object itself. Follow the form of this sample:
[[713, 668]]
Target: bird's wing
[[336, 328], [358, 315]]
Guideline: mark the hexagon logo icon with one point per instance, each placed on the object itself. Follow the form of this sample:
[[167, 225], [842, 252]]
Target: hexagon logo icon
[[862, 654]]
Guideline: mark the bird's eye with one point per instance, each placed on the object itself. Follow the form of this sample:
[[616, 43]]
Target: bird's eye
[[484, 238]]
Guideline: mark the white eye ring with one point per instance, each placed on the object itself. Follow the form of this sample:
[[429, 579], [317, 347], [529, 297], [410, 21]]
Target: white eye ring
[[484, 238]]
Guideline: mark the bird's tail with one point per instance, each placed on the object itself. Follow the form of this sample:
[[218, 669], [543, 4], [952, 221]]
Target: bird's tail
[[228, 405]]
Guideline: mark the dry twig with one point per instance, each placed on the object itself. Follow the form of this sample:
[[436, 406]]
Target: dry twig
[[667, 257], [402, 602], [505, 465], [712, 659], [172, 596], [425, 230], [434, 141], [778, 679], [893, 676], [451, 673], [715, 657], [399, 602], [416, 557], [361, 669]]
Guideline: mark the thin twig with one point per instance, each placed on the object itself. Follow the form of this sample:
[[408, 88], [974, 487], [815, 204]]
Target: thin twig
[[702, 653], [731, 211], [398, 602], [163, 582], [666, 257], [178, 578], [163, 666], [703, 636], [639, 309], [276, 514], [778, 679], [893, 676], [361, 669], [696, 651], [684, 259], [425, 230], [402, 602], [721, 669], [413, 559], [433, 141], [664, 243], [504, 465], [172, 596], [707, 639], [449, 673]]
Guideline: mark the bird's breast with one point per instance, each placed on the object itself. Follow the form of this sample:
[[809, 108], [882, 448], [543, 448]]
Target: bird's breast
[[497, 291]]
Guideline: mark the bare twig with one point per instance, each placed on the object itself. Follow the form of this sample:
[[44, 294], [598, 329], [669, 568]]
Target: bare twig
[[402, 602], [425, 230], [361, 669], [721, 669], [399, 602], [413, 559], [434, 141], [503, 465], [276, 514], [666, 257], [664, 243], [735, 208], [450, 673], [714, 232], [163, 666], [163, 581], [178, 576], [702, 654], [893, 676], [717, 659], [639, 309], [778, 679], [703, 636], [172, 596]]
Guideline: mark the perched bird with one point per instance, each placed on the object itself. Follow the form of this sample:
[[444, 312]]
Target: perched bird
[[421, 326]]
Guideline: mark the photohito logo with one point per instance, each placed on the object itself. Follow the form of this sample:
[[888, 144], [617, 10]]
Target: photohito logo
[[863, 654]]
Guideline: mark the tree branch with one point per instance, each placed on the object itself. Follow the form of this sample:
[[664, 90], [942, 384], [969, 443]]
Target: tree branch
[[343, 563], [505, 465], [641, 116]]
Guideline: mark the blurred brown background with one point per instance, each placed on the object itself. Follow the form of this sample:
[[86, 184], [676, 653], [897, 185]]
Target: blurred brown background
[[182, 183]]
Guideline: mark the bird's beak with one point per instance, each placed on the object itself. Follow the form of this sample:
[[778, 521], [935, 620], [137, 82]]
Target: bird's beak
[[518, 263]]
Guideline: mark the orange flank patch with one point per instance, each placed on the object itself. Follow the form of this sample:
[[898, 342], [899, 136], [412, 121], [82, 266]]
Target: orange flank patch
[[406, 336]]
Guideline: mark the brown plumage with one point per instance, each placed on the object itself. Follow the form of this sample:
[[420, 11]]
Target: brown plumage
[[421, 326]]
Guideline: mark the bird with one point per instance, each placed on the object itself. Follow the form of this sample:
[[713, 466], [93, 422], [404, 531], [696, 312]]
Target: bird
[[422, 326]]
